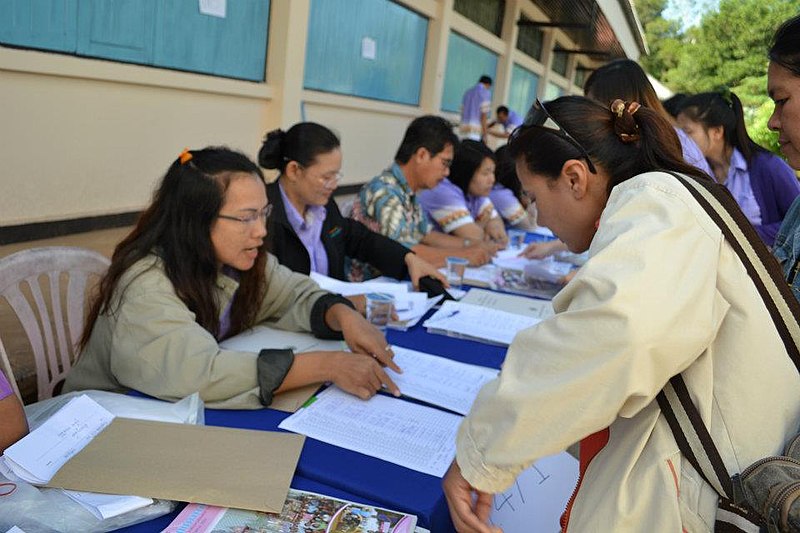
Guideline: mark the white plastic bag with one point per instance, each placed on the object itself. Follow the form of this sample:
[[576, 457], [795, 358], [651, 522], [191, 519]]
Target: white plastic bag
[[50, 510]]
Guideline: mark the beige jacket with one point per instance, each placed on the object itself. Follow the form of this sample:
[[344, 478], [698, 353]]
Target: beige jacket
[[662, 293], [153, 344]]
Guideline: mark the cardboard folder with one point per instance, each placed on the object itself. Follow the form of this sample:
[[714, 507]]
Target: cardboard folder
[[201, 464]]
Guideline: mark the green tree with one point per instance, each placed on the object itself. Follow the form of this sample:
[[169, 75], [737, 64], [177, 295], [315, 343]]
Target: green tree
[[663, 37], [726, 51]]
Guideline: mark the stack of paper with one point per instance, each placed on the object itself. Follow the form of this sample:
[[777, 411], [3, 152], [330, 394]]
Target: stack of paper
[[475, 322], [346, 288], [510, 303], [410, 308], [37, 457], [483, 276]]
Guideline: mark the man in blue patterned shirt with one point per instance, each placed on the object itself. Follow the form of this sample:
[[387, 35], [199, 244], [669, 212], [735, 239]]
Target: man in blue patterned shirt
[[388, 203]]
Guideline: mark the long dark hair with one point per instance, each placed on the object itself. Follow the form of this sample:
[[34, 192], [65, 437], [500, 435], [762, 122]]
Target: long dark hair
[[785, 49], [467, 159], [303, 142], [716, 109], [506, 173], [177, 228], [624, 146], [623, 79]]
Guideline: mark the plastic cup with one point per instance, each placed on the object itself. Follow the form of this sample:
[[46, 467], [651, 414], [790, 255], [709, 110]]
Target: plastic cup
[[516, 238], [379, 309], [456, 266]]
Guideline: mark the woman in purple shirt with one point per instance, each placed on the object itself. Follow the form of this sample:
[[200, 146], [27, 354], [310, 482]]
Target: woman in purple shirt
[[13, 425], [460, 204], [762, 184], [307, 232]]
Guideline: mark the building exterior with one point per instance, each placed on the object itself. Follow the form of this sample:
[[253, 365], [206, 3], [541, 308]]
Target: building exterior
[[99, 96]]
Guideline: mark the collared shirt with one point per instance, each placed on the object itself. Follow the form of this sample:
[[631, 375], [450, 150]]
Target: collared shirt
[[738, 182], [309, 229], [692, 153], [449, 208], [387, 205], [508, 205], [512, 121], [5, 387], [225, 317], [476, 101], [787, 247]]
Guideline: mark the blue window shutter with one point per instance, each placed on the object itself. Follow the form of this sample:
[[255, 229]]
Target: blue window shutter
[[234, 46], [334, 59], [46, 24], [523, 89], [466, 63], [117, 29]]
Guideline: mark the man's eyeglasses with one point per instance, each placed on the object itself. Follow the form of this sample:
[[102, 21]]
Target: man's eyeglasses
[[538, 117], [253, 217]]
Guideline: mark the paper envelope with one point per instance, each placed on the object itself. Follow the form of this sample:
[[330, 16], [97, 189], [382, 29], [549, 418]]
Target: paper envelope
[[201, 464]]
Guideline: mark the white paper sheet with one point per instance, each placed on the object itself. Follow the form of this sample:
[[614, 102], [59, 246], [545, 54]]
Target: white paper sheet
[[104, 506], [478, 323], [261, 336], [437, 380], [538, 497], [38, 456], [510, 303], [483, 276], [410, 435], [413, 309], [346, 288]]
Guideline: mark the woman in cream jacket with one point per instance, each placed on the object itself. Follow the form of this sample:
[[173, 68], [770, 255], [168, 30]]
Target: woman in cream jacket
[[662, 293]]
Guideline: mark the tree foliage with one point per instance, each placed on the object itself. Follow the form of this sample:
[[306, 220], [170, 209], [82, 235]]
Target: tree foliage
[[726, 51]]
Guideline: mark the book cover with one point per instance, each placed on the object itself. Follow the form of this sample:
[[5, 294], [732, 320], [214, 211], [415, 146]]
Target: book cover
[[302, 512]]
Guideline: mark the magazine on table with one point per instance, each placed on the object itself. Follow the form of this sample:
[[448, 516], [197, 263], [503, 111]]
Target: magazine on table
[[303, 511]]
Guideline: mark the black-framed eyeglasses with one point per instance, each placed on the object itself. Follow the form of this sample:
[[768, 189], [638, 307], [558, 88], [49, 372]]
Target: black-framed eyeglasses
[[539, 117], [252, 217]]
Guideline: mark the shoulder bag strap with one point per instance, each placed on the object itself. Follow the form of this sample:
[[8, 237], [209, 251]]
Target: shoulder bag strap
[[684, 419]]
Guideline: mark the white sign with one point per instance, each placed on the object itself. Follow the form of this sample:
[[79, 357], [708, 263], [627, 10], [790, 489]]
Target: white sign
[[369, 48], [213, 8], [538, 497]]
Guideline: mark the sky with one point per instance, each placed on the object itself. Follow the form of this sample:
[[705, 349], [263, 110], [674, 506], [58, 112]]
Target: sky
[[689, 12]]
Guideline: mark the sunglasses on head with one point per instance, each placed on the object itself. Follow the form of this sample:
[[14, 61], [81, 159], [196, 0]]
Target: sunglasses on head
[[538, 117]]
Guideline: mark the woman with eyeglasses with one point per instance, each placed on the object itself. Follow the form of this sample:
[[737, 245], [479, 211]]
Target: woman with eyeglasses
[[460, 203], [762, 183], [663, 292], [307, 231], [195, 271]]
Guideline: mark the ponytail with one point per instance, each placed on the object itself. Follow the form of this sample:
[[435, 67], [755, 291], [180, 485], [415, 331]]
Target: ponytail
[[302, 143], [625, 139]]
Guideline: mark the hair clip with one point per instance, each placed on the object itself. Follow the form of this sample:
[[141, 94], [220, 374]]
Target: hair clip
[[618, 107], [185, 156]]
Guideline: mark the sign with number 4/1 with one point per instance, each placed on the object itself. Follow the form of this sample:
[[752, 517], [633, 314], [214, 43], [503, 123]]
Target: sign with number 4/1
[[538, 497]]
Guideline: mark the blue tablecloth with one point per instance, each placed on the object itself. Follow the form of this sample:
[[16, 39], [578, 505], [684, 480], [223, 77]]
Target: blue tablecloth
[[352, 476]]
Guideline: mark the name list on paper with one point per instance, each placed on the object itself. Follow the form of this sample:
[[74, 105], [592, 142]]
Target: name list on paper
[[410, 435]]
